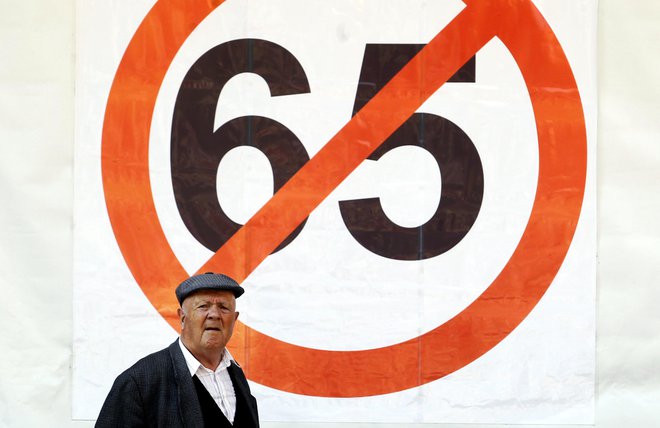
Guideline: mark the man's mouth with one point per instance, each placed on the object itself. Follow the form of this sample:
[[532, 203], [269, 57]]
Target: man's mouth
[[211, 329]]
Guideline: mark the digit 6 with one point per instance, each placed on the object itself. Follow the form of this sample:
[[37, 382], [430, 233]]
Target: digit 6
[[196, 149]]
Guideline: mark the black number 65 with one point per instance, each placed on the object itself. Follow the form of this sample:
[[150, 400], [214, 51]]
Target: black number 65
[[197, 149]]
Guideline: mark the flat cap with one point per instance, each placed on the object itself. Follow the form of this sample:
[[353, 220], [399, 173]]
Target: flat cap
[[207, 281]]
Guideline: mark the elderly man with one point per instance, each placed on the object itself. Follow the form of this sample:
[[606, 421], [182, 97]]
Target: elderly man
[[194, 382]]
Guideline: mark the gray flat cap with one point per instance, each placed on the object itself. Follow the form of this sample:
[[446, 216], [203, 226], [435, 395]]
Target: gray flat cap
[[207, 281]]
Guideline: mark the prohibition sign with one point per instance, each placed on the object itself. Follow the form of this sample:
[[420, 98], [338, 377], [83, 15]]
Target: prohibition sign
[[470, 334]]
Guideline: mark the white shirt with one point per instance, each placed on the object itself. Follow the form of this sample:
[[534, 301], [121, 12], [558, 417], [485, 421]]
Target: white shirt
[[217, 383]]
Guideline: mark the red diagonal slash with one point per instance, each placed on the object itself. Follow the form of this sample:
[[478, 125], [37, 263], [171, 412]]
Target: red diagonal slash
[[367, 130], [483, 324]]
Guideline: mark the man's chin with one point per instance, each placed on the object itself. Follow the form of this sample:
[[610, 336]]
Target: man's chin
[[215, 340]]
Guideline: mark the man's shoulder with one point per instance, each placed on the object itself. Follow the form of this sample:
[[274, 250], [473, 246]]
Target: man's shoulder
[[159, 361], [145, 392]]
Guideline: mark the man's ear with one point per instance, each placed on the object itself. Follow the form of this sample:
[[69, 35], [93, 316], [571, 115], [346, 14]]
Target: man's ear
[[236, 316], [181, 314]]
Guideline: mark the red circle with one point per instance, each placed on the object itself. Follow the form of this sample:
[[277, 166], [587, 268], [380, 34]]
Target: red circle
[[479, 327]]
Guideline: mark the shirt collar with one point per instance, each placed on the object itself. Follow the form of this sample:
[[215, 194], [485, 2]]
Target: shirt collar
[[194, 365]]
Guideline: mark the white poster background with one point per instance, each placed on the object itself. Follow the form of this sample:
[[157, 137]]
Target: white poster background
[[324, 290]]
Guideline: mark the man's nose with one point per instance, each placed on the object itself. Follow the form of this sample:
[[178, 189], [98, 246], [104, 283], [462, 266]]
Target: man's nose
[[214, 312]]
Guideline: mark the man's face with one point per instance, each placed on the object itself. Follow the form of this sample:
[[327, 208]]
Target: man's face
[[207, 321]]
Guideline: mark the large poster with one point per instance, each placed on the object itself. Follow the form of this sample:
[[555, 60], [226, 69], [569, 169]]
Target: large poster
[[405, 189]]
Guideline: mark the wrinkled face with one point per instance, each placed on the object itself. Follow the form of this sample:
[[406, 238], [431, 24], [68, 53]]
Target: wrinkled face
[[207, 321]]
